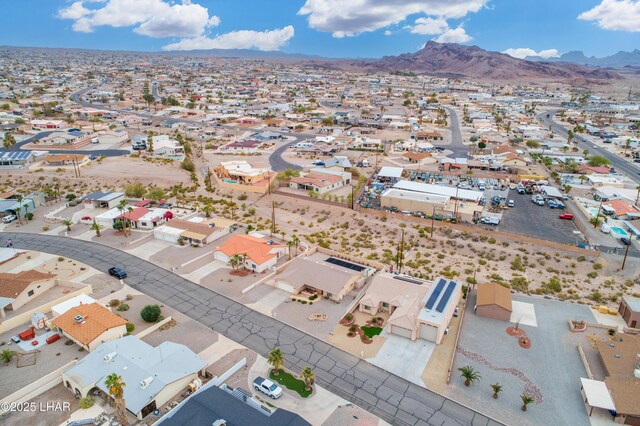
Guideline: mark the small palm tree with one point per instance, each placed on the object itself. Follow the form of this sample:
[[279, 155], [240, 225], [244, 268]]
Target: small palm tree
[[67, 223], [116, 390], [19, 199], [276, 360], [97, 227], [207, 209], [235, 261], [526, 400], [469, 375], [497, 388], [295, 240], [7, 355], [308, 376]]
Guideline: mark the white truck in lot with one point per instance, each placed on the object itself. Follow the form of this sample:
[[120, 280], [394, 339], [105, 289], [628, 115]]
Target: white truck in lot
[[267, 387]]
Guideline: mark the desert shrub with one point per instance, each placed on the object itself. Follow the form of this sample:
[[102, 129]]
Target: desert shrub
[[114, 303], [581, 258], [597, 266], [242, 197], [592, 274], [130, 327], [150, 313], [349, 316], [123, 307]]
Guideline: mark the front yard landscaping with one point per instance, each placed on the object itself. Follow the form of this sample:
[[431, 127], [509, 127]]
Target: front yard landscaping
[[371, 331], [290, 382]]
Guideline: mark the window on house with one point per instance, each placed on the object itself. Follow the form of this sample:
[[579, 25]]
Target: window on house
[[30, 293]]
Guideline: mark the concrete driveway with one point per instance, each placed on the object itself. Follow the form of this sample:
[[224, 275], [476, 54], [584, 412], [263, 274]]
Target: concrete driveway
[[404, 357]]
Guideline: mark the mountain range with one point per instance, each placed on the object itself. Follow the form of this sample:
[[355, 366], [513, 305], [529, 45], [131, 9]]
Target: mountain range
[[618, 60], [455, 60]]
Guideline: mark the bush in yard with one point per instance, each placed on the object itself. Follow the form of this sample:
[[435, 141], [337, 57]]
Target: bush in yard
[[123, 307], [150, 313], [130, 327], [114, 303], [349, 316], [86, 402], [29, 216]]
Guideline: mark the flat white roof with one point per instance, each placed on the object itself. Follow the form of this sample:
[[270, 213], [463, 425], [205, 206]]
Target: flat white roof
[[415, 196], [552, 191], [81, 299], [392, 172], [448, 191], [597, 394]]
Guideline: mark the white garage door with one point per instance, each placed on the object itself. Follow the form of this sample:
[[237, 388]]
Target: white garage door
[[428, 332], [283, 285], [404, 332]]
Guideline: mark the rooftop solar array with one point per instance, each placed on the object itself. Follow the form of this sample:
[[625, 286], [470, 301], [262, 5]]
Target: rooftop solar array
[[15, 155], [345, 264], [435, 294], [445, 297], [407, 279]]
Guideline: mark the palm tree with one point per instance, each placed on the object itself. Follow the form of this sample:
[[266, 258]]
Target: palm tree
[[9, 140], [276, 360], [235, 260], [97, 227], [129, 210], [627, 144], [308, 377], [116, 390], [469, 374], [497, 388], [7, 355], [122, 205], [289, 245], [526, 400], [67, 223], [19, 199], [295, 240], [207, 209]]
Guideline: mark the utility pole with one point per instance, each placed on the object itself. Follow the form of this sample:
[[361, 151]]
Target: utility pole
[[626, 252], [273, 217], [432, 219], [352, 200], [400, 253]]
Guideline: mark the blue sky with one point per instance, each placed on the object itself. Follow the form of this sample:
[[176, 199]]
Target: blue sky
[[332, 28]]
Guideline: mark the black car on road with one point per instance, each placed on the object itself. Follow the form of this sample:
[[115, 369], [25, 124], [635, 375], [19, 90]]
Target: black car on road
[[117, 272]]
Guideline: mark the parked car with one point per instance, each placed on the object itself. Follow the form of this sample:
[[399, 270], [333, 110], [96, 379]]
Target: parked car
[[511, 203], [567, 216], [267, 387], [9, 219], [118, 273]]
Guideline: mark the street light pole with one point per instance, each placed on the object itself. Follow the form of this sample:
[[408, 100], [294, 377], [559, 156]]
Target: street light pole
[[626, 252]]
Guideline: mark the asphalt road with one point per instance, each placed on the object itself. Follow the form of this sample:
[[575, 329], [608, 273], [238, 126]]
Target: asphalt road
[[279, 164], [459, 149], [621, 165], [389, 397]]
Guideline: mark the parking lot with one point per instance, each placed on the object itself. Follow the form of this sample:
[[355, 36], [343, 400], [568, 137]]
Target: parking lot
[[531, 220]]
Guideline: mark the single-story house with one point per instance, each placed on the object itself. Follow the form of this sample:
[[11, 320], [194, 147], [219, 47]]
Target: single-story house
[[418, 158], [91, 325], [195, 232], [321, 180], [493, 301], [144, 218], [18, 289], [16, 158], [258, 254], [418, 310], [219, 406], [102, 200], [154, 375], [323, 279], [61, 160]]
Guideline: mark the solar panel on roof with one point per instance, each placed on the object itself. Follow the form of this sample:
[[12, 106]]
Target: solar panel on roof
[[344, 264], [435, 294], [445, 297]]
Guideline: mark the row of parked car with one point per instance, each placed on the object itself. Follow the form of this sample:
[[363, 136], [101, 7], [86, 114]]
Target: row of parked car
[[551, 202]]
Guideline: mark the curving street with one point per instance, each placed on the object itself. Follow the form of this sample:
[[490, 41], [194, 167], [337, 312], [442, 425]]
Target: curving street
[[459, 149], [620, 164], [389, 397]]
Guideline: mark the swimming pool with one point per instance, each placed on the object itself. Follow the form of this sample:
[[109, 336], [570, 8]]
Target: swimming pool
[[592, 211], [229, 181], [619, 232]]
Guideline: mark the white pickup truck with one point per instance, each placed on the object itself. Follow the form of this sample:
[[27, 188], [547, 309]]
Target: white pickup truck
[[267, 387]]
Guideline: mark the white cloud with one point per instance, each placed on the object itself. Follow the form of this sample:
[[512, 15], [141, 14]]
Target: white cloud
[[387, 33], [523, 52], [154, 18], [619, 15], [454, 35], [348, 18], [245, 39], [429, 26]]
